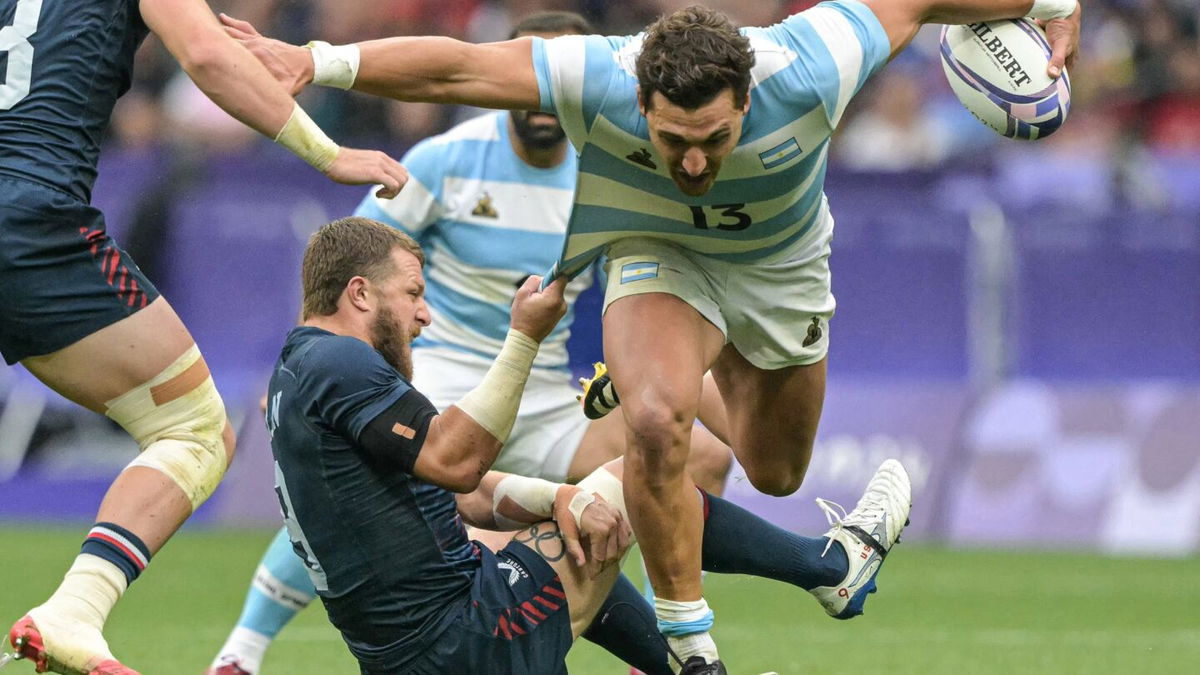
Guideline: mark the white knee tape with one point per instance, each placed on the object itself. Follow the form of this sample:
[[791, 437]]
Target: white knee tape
[[177, 419], [609, 487]]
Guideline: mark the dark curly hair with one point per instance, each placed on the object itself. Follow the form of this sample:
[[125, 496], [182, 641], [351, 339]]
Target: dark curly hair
[[692, 55]]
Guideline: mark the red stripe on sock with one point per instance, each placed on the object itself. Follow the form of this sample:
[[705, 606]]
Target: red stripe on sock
[[122, 547]]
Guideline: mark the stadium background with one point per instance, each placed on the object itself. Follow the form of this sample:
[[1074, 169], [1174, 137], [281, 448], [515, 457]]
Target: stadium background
[[1019, 323]]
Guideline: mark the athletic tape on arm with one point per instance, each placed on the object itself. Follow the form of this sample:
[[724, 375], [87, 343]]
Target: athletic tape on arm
[[334, 66], [610, 488], [494, 403], [1052, 9], [177, 419], [530, 494], [303, 137]]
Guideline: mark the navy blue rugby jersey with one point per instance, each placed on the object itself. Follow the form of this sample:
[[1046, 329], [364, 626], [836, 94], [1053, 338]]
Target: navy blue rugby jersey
[[64, 64], [386, 551]]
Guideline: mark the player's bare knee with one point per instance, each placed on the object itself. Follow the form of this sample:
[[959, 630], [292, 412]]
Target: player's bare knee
[[776, 479], [658, 427], [178, 421]]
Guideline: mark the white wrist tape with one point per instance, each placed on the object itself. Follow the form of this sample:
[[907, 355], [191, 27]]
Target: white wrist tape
[[334, 66], [303, 137], [493, 404], [608, 486], [530, 494], [579, 502], [1052, 9]]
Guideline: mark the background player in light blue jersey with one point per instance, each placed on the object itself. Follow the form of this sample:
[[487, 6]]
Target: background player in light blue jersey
[[702, 158], [488, 201]]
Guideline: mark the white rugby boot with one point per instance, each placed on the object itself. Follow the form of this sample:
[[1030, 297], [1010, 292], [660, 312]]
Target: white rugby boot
[[867, 533]]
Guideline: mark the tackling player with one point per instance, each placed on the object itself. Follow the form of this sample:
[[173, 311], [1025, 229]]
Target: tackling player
[[702, 156], [488, 201], [77, 312], [366, 470]]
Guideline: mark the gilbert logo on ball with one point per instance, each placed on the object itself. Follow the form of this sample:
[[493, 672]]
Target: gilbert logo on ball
[[998, 70]]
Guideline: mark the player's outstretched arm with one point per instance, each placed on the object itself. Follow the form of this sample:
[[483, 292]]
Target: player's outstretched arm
[[462, 443], [240, 85], [429, 69], [901, 19]]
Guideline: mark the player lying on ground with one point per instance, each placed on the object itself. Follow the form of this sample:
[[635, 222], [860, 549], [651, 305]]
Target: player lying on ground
[[76, 311], [702, 156], [366, 470], [488, 201]]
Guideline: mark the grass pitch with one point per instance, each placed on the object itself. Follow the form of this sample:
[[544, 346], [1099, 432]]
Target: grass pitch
[[938, 611]]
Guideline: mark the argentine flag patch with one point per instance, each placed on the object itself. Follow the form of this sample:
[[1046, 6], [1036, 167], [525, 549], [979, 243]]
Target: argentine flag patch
[[637, 271], [780, 154]]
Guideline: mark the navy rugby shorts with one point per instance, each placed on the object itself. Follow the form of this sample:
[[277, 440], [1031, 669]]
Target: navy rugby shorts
[[61, 277], [516, 621]]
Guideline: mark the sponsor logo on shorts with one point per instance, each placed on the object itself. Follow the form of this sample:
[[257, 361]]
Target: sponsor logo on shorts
[[638, 271], [515, 571], [814, 332]]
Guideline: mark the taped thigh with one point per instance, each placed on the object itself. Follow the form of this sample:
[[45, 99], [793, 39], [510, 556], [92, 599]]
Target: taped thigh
[[177, 419]]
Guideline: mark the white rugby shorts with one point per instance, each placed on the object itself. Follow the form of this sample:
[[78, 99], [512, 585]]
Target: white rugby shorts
[[776, 313]]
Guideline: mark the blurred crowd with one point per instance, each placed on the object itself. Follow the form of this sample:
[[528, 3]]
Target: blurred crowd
[[1136, 83]]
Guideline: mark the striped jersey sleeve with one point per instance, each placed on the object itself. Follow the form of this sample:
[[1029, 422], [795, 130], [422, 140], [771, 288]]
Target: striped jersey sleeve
[[839, 44], [581, 77]]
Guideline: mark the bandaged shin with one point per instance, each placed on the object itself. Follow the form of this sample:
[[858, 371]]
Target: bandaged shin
[[177, 419], [72, 619], [494, 403]]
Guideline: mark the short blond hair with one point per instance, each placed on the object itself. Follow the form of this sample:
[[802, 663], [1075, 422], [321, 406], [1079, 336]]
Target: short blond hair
[[344, 249]]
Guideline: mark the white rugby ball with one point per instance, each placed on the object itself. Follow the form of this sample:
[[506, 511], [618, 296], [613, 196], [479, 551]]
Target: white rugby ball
[[998, 70]]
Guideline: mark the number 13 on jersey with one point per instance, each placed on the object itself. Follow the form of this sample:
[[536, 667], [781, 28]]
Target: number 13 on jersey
[[14, 40], [729, 217]]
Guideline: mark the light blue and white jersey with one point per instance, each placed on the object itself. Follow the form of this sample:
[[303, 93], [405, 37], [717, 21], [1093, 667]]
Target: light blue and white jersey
[[487, 220], [767, 202]]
